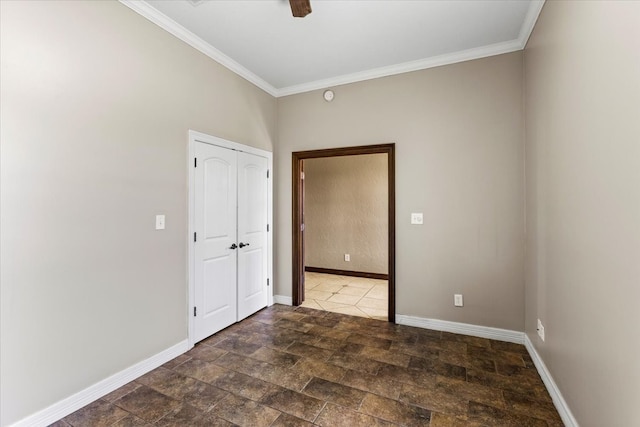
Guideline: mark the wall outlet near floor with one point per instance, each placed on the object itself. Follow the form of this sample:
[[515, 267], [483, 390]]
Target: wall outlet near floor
[[347, 257], [457, 300], [540, 329]]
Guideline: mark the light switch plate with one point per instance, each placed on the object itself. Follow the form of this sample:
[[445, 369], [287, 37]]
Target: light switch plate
[[416, 218], [159, 222]]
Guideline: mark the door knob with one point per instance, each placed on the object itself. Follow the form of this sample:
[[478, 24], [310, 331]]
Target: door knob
[[242, 245], [234, 246]]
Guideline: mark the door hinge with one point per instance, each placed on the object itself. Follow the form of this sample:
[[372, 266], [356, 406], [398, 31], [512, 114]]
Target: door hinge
[[301, 175], [195, 311], [267, 173], [302, 227], [195, 237], [195, 162], [267, 282], [267, 227]]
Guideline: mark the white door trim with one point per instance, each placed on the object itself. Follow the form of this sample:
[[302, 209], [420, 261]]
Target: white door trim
[[195, 137]]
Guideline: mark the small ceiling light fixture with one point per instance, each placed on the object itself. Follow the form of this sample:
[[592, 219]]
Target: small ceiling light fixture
[[328, 95]]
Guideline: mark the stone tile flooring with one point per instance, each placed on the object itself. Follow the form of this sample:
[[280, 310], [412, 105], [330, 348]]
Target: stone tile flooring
[[356, 296], [295, 366]]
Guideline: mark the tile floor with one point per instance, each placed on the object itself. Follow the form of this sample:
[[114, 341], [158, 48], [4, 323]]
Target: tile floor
[[295, 366], [356, 296]]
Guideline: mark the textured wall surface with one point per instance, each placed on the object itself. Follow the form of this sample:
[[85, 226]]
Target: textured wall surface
[[346, 201], [459, 159], [582, 79], [95, 108]]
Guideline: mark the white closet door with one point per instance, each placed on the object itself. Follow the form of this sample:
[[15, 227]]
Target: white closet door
[[215, 253], [252, 234]]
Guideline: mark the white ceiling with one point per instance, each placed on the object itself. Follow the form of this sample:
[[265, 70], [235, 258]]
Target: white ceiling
[[342, 41]]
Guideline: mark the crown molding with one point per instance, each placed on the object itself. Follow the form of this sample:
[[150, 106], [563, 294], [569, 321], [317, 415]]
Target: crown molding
[[436, 61], [168, 24], [535, 7], [406, 67]]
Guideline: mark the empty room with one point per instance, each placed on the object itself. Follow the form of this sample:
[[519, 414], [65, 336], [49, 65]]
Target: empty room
[[163, 260]]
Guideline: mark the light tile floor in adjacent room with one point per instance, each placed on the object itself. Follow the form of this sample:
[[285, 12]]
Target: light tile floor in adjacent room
[[355, 296]]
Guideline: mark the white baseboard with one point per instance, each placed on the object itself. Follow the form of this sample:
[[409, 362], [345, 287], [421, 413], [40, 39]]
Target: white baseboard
[[558, 400], [282, 299], [501, 335], [72, 403], [462, 328]]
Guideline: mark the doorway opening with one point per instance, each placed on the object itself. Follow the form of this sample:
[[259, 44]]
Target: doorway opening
[[299, 261]]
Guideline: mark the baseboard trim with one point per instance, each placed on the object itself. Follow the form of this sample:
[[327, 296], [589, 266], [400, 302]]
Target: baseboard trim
[[351, 273], [72, 403], [462, 328], [558, 400], [501, 335], [282, 299]]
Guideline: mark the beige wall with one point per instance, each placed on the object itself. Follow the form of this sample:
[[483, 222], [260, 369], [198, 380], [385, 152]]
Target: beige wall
[[459, 160], [582, 67], [346, 212], [95, 108]]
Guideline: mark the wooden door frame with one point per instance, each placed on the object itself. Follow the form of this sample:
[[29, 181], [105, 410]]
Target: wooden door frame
[[298, 263]]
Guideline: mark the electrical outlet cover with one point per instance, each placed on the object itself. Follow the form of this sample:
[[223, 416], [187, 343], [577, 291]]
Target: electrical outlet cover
[[457, 300], [540, 330]]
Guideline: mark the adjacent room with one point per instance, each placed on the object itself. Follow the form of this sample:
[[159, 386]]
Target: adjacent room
[[154, 264], [345, 211]]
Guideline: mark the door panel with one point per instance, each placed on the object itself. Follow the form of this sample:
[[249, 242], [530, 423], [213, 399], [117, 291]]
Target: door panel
[[252, 234], [215, 223], [252, 268], [218, 201], [218, 298]]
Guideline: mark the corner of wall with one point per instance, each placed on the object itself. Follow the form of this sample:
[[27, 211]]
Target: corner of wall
[[558, 400]]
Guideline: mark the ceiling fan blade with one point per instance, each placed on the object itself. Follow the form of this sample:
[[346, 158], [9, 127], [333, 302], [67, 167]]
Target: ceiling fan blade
[[300, 8]]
